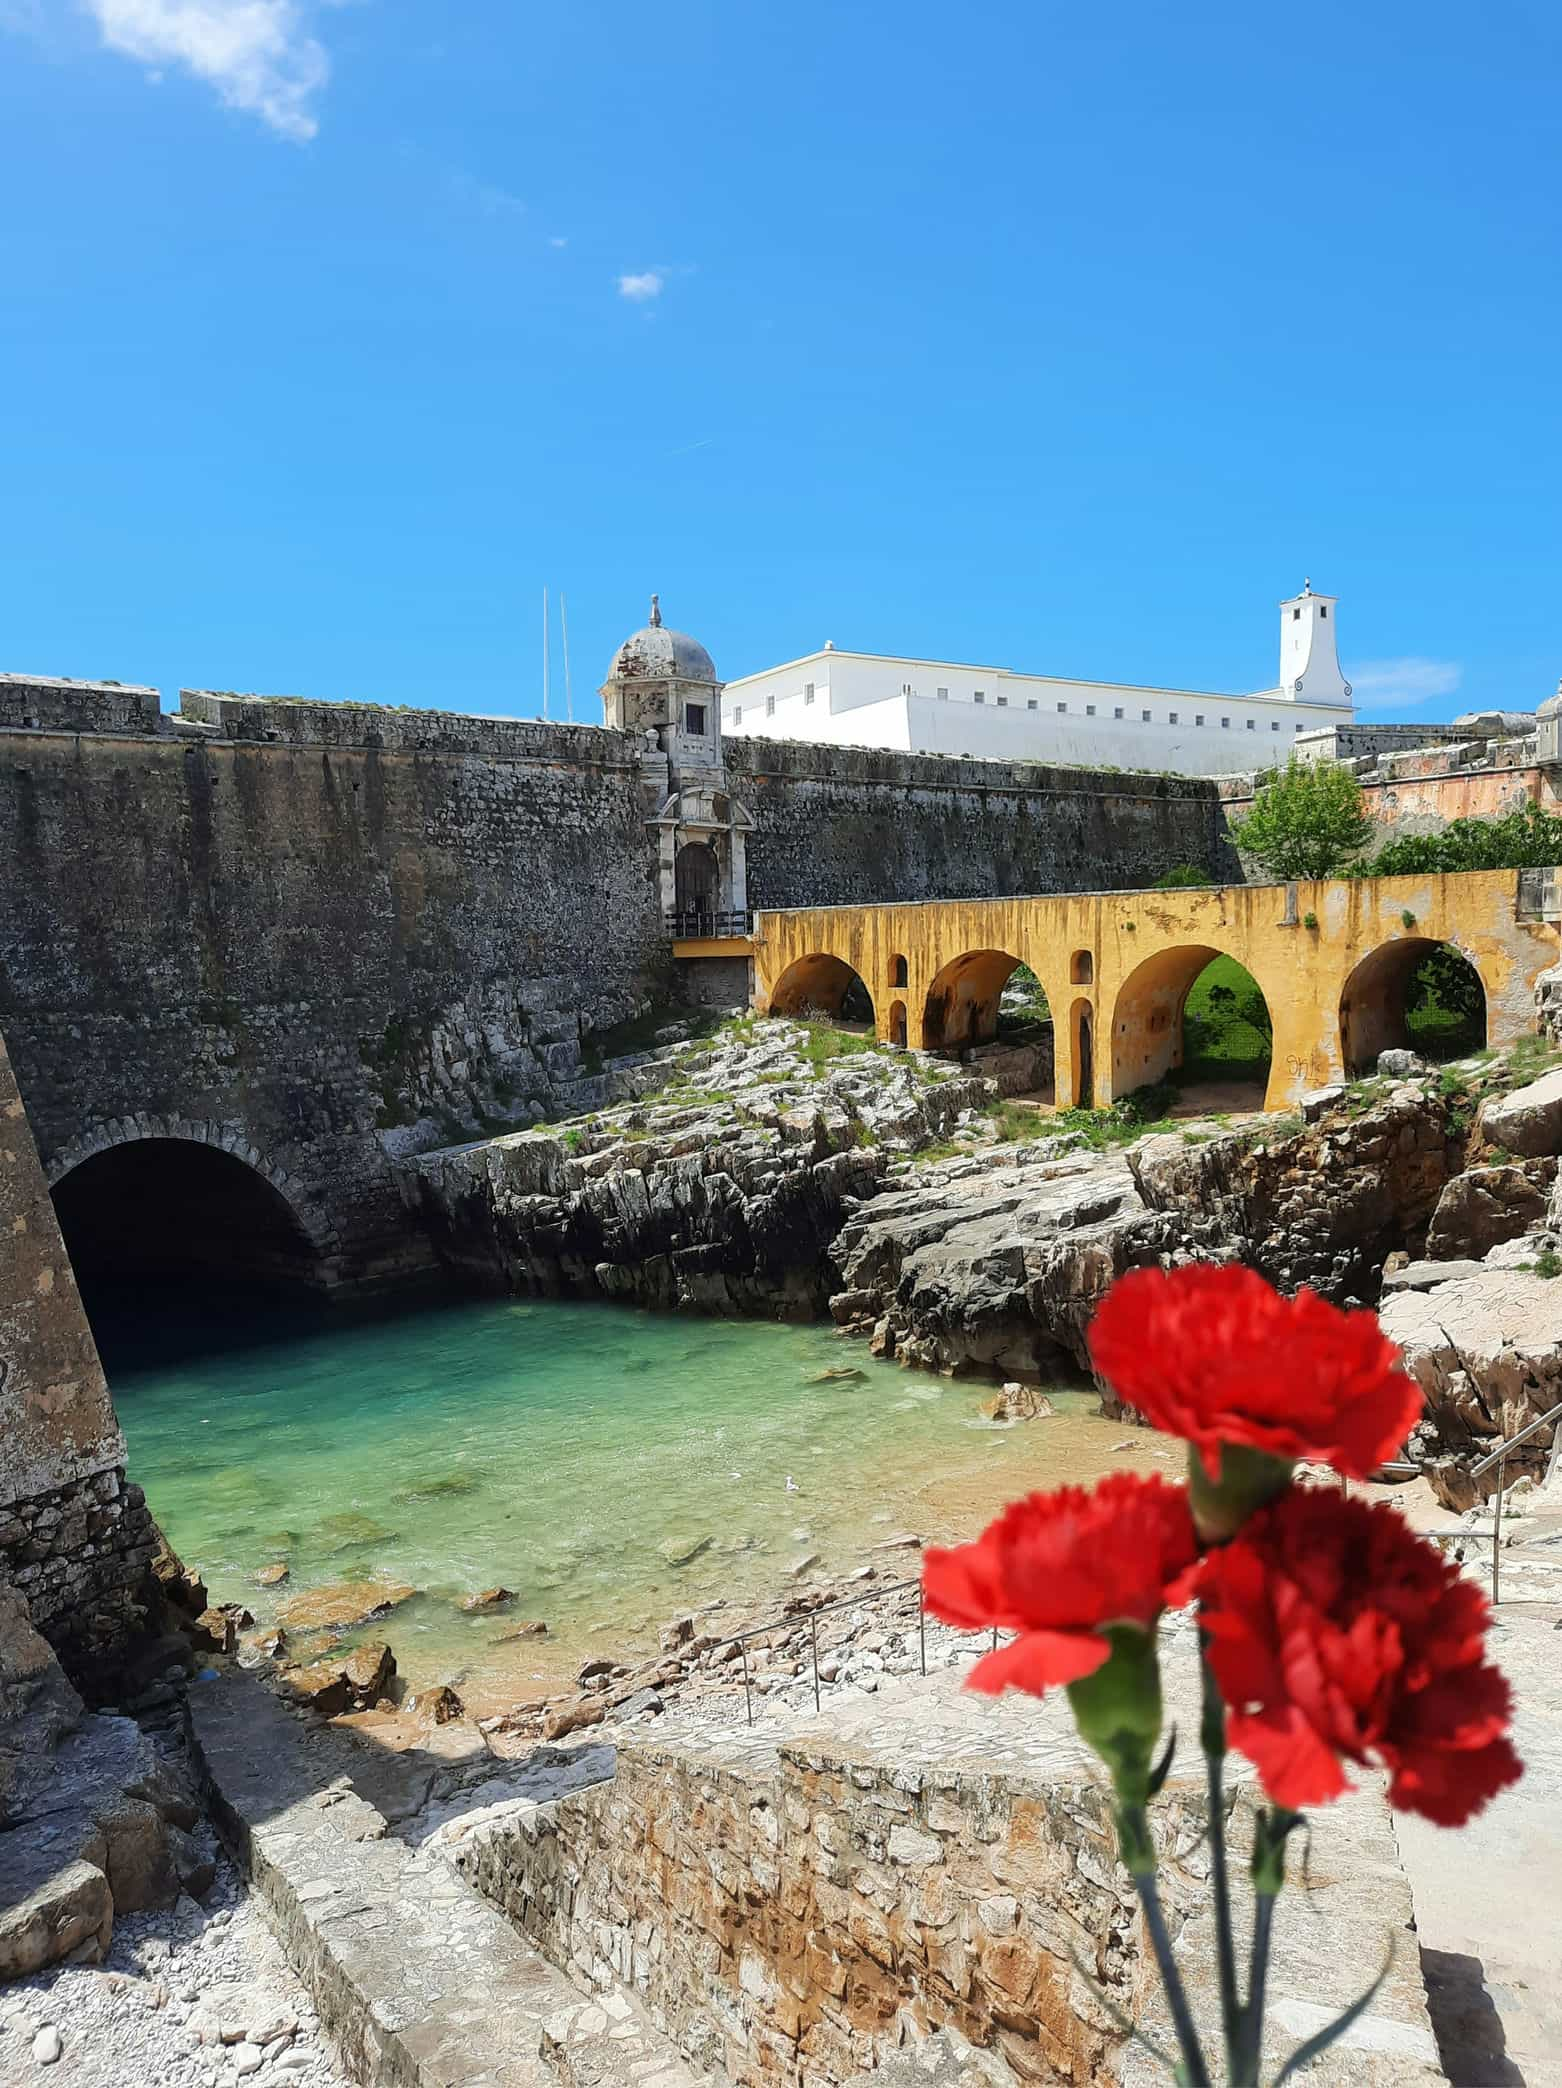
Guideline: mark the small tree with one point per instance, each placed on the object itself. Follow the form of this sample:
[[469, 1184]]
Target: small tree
[[1307, 821]]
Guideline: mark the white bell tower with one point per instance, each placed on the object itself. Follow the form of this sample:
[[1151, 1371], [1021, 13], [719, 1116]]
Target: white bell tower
[[1309, 663]]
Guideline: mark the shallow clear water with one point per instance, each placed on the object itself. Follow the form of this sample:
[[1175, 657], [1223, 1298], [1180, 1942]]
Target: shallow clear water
[[612, 1467]]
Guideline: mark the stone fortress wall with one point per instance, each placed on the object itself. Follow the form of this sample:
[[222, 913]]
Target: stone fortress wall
[[314, 936], [75, 1538]]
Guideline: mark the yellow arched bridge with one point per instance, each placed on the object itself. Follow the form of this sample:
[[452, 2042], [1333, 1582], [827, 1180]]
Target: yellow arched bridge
[[1333, 961]]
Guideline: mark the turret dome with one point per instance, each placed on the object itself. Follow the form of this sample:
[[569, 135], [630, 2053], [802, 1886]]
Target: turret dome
[[655, 654]]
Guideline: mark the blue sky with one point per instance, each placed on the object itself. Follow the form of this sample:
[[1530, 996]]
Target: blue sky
[[1062, 339]]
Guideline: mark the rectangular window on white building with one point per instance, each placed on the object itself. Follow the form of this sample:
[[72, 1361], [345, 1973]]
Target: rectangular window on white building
[[808, 692], [770, 706], [1062, 710], [1118, 712], [1171, 717], [1032, 704], [981, 696], [1274, 724], [1252, 725], [943, 695], [1144, 717], [1301, 728], [737, 715], [1003, 703], [1198, 717], [1090, 710], [1225, 724]]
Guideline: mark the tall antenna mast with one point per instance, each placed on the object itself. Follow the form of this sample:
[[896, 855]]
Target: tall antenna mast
[[569, 696], [545, 652]]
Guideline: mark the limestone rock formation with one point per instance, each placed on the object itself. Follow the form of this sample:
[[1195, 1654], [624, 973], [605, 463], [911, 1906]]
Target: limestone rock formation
[[1487, 1352], [338, 1605], [1528, 1120], [89, 1811], [996, 1262], [1484, 1206], [721, 1197]]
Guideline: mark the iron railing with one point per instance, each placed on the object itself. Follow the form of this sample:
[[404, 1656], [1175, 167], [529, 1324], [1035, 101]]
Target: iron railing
[[1401, 1468], [1499, 1458], [686, 923], [741, 1639]]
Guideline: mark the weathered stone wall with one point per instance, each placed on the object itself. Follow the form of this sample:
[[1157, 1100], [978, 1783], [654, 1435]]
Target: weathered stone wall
[[74, 1538], [302, 930], [56, 1422], [778, 1915], [47, 703], [842, 825], [1421, 781], [80, 1556], [308, 935]]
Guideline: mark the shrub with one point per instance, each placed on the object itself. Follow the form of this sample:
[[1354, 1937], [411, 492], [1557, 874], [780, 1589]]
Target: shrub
[[1307, 821], [1528, 839]]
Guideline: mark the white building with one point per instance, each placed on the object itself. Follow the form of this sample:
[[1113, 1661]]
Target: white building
[[944, 707]]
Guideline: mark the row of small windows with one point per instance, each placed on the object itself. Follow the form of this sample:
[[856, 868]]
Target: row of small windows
[[980, 696]]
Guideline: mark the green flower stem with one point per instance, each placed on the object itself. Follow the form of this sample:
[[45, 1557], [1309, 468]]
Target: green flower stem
[[1138, 1853], [1269, 1839], [1212, 1734]]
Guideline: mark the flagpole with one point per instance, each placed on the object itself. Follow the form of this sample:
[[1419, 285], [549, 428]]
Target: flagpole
[[569, 696]]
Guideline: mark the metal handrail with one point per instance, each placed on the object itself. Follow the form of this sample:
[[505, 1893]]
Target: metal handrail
[[1400, 1467], [1512, 1442], [740, 1639], [1498, 1458], [686, 923]]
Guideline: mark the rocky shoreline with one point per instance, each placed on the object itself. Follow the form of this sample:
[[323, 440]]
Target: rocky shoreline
[[788, 1171]]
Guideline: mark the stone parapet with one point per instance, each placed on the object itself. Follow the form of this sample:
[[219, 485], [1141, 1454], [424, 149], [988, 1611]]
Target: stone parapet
[[298, 721], [49, 703]]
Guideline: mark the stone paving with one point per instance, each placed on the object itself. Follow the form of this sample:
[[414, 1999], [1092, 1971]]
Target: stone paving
[[418, 1982], [1488, 1901]]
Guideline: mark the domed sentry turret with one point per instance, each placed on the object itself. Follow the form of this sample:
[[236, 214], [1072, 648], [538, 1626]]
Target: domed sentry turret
[[665, 682]]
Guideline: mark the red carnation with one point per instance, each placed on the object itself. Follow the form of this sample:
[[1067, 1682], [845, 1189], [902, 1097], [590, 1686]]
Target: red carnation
[[1217, 1356], [1059, 1568], [1337, 1634]]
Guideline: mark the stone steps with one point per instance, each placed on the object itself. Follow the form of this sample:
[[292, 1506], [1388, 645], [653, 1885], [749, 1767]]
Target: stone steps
[[419, 1982]]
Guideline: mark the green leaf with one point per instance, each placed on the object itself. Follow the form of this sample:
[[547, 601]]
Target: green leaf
[[1305, 2054]]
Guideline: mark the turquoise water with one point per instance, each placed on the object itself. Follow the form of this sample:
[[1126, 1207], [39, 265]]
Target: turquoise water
[[612, 1467]]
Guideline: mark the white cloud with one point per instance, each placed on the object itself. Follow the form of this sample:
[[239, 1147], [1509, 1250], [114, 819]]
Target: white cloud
[[257, 54], [639, 289], [558, 242], [1401, 684]]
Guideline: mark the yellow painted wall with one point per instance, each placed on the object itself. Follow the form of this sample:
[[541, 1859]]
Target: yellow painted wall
[[1130, 957]]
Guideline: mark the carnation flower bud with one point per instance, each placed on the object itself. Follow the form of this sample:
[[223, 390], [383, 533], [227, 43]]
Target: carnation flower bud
[[1118, 1710]]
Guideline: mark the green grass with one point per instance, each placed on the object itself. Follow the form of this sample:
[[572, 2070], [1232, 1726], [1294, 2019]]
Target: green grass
[[1225, 1025], [1529, 1058], [822, 1043]]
